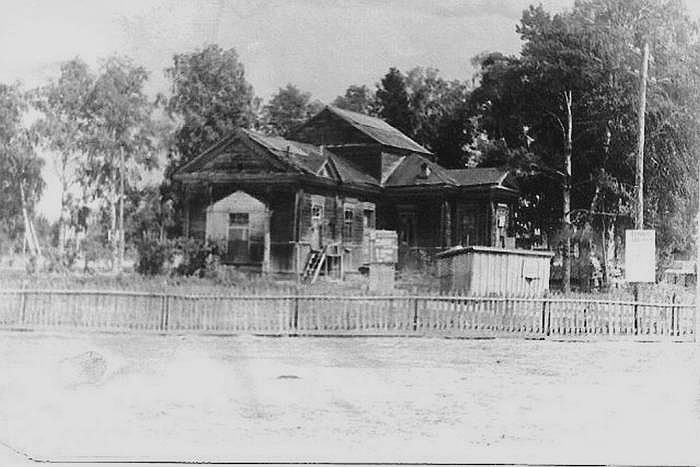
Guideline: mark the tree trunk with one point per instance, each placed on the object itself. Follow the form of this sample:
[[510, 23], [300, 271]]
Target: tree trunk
[[121, 210], [62, 218], [566, 208], [113, 231], [610, 250]]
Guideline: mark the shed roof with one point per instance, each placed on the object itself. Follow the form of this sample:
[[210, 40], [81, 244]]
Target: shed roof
[[378, 130], [478, 176]]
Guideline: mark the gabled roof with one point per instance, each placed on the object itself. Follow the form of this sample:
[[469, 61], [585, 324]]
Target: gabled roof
[[305, 157], [285, 155], [410, 172], [378, 130], [481, 176]]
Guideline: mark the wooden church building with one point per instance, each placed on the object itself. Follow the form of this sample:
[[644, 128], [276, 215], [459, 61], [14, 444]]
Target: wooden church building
[[275, 202]]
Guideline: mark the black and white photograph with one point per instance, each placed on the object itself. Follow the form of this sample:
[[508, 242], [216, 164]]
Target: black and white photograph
[[349, 232]]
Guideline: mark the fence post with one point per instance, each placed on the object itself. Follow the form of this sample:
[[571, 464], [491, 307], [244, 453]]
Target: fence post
[[636, 304], [415, 313], [295, 320], [164, 312], [544, 314], [673, 315], [23, 306]]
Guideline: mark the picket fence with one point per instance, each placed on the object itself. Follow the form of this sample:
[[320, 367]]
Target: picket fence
[[458, 316]]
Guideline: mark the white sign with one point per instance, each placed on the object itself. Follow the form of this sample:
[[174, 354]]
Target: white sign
[[640, 256]]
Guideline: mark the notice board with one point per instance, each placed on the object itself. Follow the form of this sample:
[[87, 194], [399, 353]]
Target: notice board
[[640, 256]]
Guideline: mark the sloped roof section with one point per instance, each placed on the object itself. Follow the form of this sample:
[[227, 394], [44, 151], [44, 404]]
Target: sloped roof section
[[348, 173], [305, 157], [416, 170], [378, 130], [481, 176], [207, 157]]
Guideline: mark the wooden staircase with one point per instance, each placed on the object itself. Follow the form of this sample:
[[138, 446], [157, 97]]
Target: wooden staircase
[[313, 266]]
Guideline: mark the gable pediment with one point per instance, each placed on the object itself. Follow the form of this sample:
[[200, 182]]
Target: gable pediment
[[235, 154], [239, 157]]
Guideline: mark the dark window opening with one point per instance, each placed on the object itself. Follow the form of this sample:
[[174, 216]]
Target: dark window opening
[[238, 218], [348, 216], [407, 228]]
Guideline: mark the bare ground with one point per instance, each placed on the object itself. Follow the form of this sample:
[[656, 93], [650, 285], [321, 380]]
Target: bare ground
[[244, 399]]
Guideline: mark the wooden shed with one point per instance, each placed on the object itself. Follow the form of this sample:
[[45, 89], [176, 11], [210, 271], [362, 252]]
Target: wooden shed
[[487, 271]]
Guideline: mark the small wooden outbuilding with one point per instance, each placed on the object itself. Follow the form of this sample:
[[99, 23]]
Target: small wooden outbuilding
[[487, 271]]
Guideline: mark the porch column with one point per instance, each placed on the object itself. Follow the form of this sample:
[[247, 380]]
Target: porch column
[[296, 231], [266, 266], [186, 206]]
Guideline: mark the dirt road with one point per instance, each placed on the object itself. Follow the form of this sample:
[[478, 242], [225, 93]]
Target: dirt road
[[244, 399]]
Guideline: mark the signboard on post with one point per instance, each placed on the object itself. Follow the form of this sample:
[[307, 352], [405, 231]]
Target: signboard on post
[[640, 256], [383, 249]]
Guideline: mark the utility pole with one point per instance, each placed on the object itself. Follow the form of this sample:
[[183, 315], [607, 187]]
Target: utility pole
[[639, 177]]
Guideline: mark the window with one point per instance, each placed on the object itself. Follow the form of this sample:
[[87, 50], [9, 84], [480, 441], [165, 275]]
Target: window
[[407, 228], [316, 211], [348, 216], [368, 219], [238, 219], [469, 229]]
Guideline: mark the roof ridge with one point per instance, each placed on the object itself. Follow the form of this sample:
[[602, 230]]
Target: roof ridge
[[347, 115]]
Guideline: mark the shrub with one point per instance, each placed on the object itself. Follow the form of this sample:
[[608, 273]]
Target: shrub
[[152, 256], [199, 258]]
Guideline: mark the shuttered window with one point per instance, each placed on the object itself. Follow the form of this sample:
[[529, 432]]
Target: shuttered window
[[348, 217]]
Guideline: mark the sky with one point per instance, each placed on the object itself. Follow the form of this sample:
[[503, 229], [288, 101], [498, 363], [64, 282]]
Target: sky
[[321, 46]]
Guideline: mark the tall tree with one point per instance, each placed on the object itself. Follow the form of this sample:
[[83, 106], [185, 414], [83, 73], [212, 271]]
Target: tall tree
[[63, 127], [393, 102], [210, 96], [571, 99], [429, 109], [122, 143], [560, 67], [439, 111], [21, 183], [288, 108]]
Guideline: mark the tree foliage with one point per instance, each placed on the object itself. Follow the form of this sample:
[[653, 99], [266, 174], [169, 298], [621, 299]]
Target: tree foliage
[[21, 183], [593, 52], [429, 109], [63, 127], [288, 108], [211, 97], [358, 99]]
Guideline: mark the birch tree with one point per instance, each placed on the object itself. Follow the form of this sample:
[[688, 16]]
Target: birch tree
[[21, 183], [63, 128], [122, 142]]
